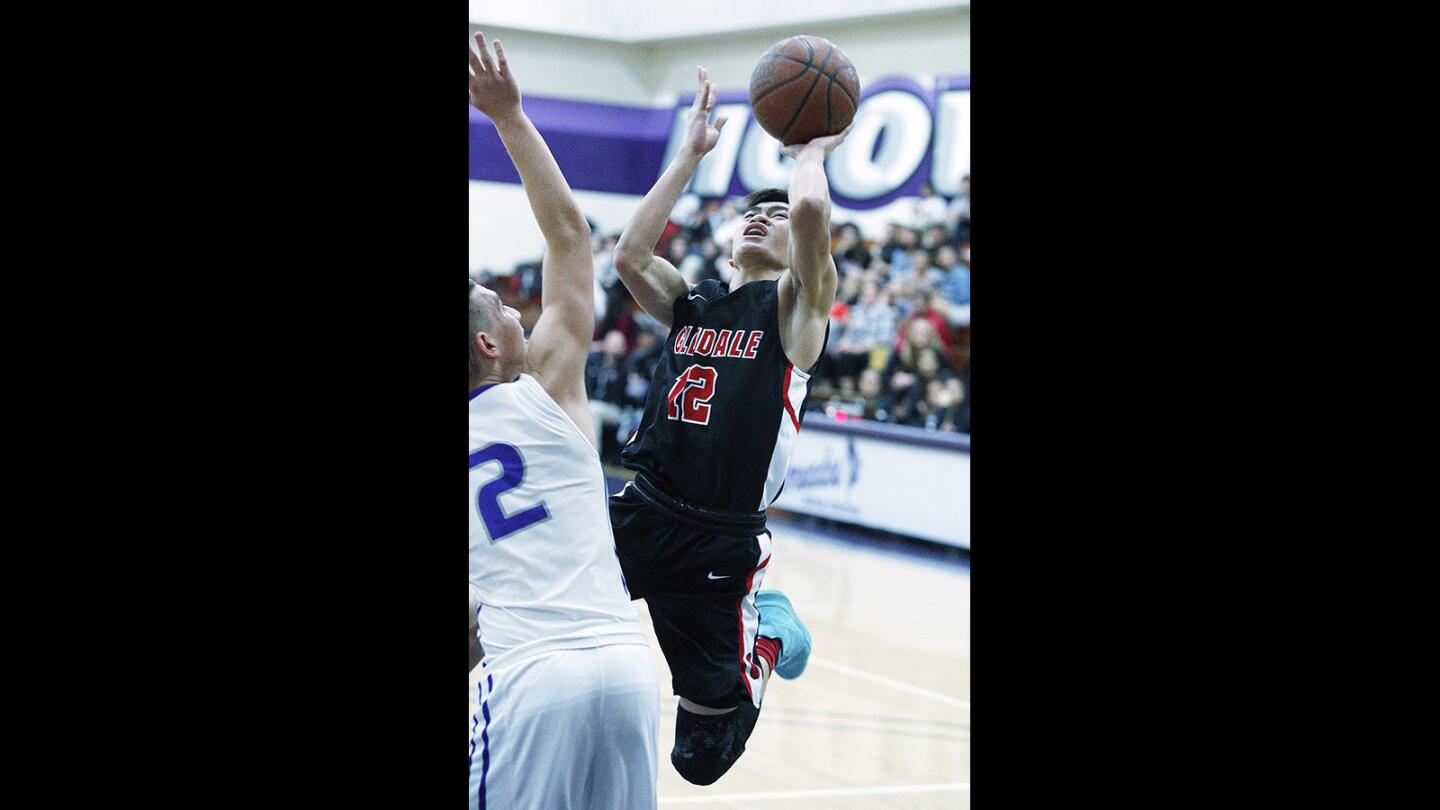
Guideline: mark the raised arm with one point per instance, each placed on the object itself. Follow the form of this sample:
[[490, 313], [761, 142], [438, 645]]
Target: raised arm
[[561, 338], [810, 260], [654, 282], [808, 291]]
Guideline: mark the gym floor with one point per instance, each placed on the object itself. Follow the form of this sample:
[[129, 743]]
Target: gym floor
[[881, 717]]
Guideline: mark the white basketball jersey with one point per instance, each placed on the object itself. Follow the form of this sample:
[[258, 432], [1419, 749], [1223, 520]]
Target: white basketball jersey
[[542, 556]]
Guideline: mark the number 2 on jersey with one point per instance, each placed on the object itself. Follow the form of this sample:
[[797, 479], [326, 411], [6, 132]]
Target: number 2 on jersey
[[497, 523], [690, 396]]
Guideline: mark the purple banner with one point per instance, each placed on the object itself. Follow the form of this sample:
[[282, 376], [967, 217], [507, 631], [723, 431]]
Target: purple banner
[[599, 147], [906, 134]]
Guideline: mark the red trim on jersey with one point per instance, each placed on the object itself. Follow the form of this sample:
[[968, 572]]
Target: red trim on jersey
[[675, 392], [740, 616], [785, 395]]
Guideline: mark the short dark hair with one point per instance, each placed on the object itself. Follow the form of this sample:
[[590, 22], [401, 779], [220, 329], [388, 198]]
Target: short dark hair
[[765, 195], [479, 321]]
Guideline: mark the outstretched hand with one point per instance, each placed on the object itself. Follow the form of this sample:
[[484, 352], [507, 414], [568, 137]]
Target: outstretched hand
[[825, 144], [493, 90], [701, 135]]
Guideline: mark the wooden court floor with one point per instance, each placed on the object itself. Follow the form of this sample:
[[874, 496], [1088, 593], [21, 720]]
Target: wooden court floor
[[881, 717]]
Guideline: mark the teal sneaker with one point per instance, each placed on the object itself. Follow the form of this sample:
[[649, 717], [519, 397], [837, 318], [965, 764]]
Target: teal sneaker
[[778, 620]]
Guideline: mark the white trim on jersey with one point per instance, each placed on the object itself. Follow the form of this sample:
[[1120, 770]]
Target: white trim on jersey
[[794, 386], [750, 625]]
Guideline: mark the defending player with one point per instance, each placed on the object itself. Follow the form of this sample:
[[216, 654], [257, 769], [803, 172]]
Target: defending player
[[565, 705]]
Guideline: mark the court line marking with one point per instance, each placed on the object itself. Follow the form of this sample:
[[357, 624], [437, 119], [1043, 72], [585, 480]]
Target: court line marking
[[807, 794], [881, 680]]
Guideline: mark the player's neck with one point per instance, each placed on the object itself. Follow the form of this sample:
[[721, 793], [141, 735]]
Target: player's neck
[[745, 275], [493, 377]]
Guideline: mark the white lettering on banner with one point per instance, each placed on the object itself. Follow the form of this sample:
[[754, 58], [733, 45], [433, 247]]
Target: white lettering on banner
[[905, 121], [761, 164], [952, 142], [855, 170]]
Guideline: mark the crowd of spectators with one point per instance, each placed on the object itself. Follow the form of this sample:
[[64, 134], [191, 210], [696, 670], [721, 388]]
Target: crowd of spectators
[[899, 344]]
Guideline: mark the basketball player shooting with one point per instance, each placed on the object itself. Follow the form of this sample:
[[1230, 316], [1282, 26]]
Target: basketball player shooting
[[565, 708], [714, 443]]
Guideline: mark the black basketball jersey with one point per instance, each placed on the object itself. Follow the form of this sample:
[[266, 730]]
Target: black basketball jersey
[[725, 405]]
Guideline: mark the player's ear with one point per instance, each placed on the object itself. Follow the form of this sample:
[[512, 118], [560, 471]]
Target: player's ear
[[486, 347]]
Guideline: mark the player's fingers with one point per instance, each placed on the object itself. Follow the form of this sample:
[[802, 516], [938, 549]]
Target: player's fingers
[[720, 123], [699, 97], [474, 60], [709, 96], [484, 52], [500, 57]]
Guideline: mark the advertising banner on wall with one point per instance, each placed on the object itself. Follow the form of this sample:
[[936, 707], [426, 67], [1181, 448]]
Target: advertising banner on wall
[[908, 130], [913, 488]]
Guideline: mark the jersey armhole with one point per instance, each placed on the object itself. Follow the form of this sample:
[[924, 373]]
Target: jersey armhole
[[541, 392]]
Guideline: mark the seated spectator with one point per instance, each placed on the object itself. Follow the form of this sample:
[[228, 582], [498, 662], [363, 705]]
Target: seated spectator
[[927, 401], [955, 287], [921, 270], [896, 250], [605, 386], [730, 219], [957, 217], [931, 308], [526, 280], [850, 283], [903, 296], [929, 208], [870, 327], [944, 397], [920, 359], [710, 262], [934, 238], [680, 254], [845, 400], [696, 226], [878, 404], [714, 213], [850, 248], [640, 369], [962, 416]]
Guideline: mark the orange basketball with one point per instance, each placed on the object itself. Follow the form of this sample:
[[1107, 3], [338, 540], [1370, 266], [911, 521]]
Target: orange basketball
[[803, 88]]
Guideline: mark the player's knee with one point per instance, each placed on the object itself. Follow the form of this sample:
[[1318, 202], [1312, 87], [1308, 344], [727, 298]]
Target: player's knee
[[707, 745], [699, 768]]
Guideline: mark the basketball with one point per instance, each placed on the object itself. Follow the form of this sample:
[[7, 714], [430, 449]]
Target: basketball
[[804, 88]]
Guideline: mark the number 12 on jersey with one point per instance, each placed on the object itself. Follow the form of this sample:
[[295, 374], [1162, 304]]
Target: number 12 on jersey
[[690, 396]]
